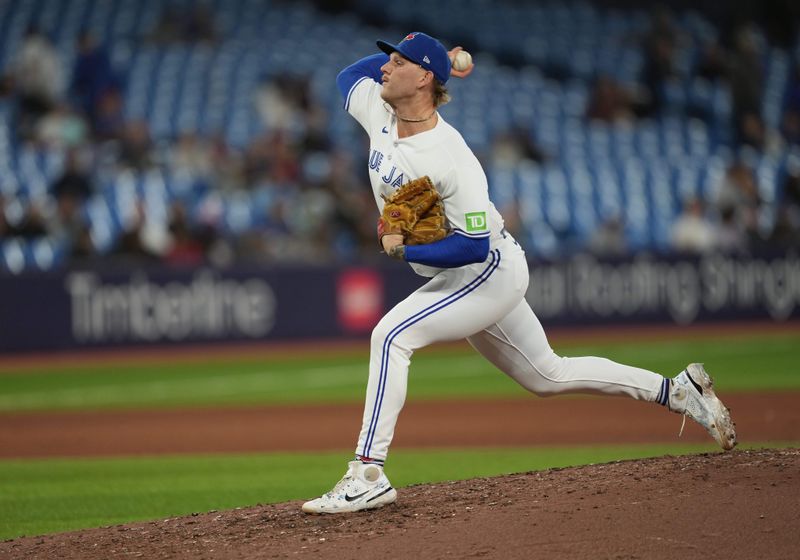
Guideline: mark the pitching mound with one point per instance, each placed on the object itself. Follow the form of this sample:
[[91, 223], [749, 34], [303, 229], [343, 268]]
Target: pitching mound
[[734, 505]]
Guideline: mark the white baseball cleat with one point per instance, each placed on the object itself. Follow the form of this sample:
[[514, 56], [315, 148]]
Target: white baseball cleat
[[692, 395], [364, 486]]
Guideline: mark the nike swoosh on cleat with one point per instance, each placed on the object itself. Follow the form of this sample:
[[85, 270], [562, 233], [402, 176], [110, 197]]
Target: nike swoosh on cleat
[[379, 495], [350, 498], [696, 385]]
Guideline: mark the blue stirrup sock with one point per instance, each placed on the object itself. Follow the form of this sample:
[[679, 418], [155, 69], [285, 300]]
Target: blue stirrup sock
[[663, 394]]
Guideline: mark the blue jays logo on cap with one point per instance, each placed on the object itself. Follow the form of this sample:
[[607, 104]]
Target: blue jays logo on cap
[[424, 50]]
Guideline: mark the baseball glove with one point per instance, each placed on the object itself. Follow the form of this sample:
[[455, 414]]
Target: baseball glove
[[415, 211]]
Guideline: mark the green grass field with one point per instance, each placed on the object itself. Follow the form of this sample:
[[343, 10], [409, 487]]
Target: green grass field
[[42, 496], [759, 362]]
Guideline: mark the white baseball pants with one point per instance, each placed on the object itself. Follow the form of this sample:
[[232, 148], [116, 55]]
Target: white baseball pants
[[485, 304]]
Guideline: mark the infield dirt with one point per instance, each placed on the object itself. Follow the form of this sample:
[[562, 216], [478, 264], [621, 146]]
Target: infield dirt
[[736, 505], [759, 417]]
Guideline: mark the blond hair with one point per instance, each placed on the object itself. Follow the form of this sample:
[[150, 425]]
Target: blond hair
[[440, 94]]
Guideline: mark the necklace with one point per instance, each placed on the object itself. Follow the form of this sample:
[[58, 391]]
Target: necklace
[[386, 106], [416, 120]]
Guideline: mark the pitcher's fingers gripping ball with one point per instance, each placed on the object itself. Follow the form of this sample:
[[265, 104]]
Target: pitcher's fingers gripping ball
[[462, 60], [415, 211], [461, 64]]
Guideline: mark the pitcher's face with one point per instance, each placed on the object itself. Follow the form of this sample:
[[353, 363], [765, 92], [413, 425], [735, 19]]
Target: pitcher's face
[[402, 78]]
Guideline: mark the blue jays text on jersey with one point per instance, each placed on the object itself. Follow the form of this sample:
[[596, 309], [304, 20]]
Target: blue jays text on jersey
[[394, 177]]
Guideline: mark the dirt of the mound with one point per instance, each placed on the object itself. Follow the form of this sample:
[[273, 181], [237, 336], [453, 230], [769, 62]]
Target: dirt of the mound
[[737, 505]]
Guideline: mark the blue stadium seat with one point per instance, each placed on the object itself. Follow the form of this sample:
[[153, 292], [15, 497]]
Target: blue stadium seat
[[12, 255], [238, 214]]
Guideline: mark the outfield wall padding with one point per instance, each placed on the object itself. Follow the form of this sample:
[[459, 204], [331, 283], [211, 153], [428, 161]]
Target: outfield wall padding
[[91, 308]]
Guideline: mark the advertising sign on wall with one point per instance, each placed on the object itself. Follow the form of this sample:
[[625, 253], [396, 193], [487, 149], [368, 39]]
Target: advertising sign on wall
[[93, 308]]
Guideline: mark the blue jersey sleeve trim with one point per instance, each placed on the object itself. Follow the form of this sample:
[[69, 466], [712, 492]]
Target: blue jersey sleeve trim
[[472, 235], [451, 252], [349, 93], [368, 67]]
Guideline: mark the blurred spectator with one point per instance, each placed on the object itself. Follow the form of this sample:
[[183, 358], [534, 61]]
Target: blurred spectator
[[191, 154], [314, 209], [10, 216], [176, 26], [71, 190], [285, 103], [136, 146], [82, 248], [256, 164], [6, 86], [227, 165], [199, 26], [754, 132], [738, 191], [92, 77], [790, 124], [275, 110], [272, 157], [747, 87], [272, 241], [169, 26], [184, 247], [315, 137], [109, 121], [62, 128], [609, 240], [786, 231], [142, 240], [608, 102], [692, 232], [659, 50], [512, 146], [791, 187], [5, 227], [38, 79], [17, 220], [738, 199], [713, 63], [75, 180], [731, 238], [352, 235]]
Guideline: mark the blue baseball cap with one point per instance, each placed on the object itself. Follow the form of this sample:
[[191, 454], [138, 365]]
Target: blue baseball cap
[[425, 51]]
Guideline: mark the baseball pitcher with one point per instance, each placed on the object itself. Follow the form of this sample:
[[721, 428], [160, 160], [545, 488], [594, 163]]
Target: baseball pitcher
[[436, 215]]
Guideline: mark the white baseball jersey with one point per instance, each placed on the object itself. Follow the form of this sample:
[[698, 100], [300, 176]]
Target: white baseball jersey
[[440, 153]]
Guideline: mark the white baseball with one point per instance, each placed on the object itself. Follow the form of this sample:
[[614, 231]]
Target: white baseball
[[462, 61]]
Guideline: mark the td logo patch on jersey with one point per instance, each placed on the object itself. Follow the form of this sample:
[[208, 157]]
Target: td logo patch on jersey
[[476, 221]]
